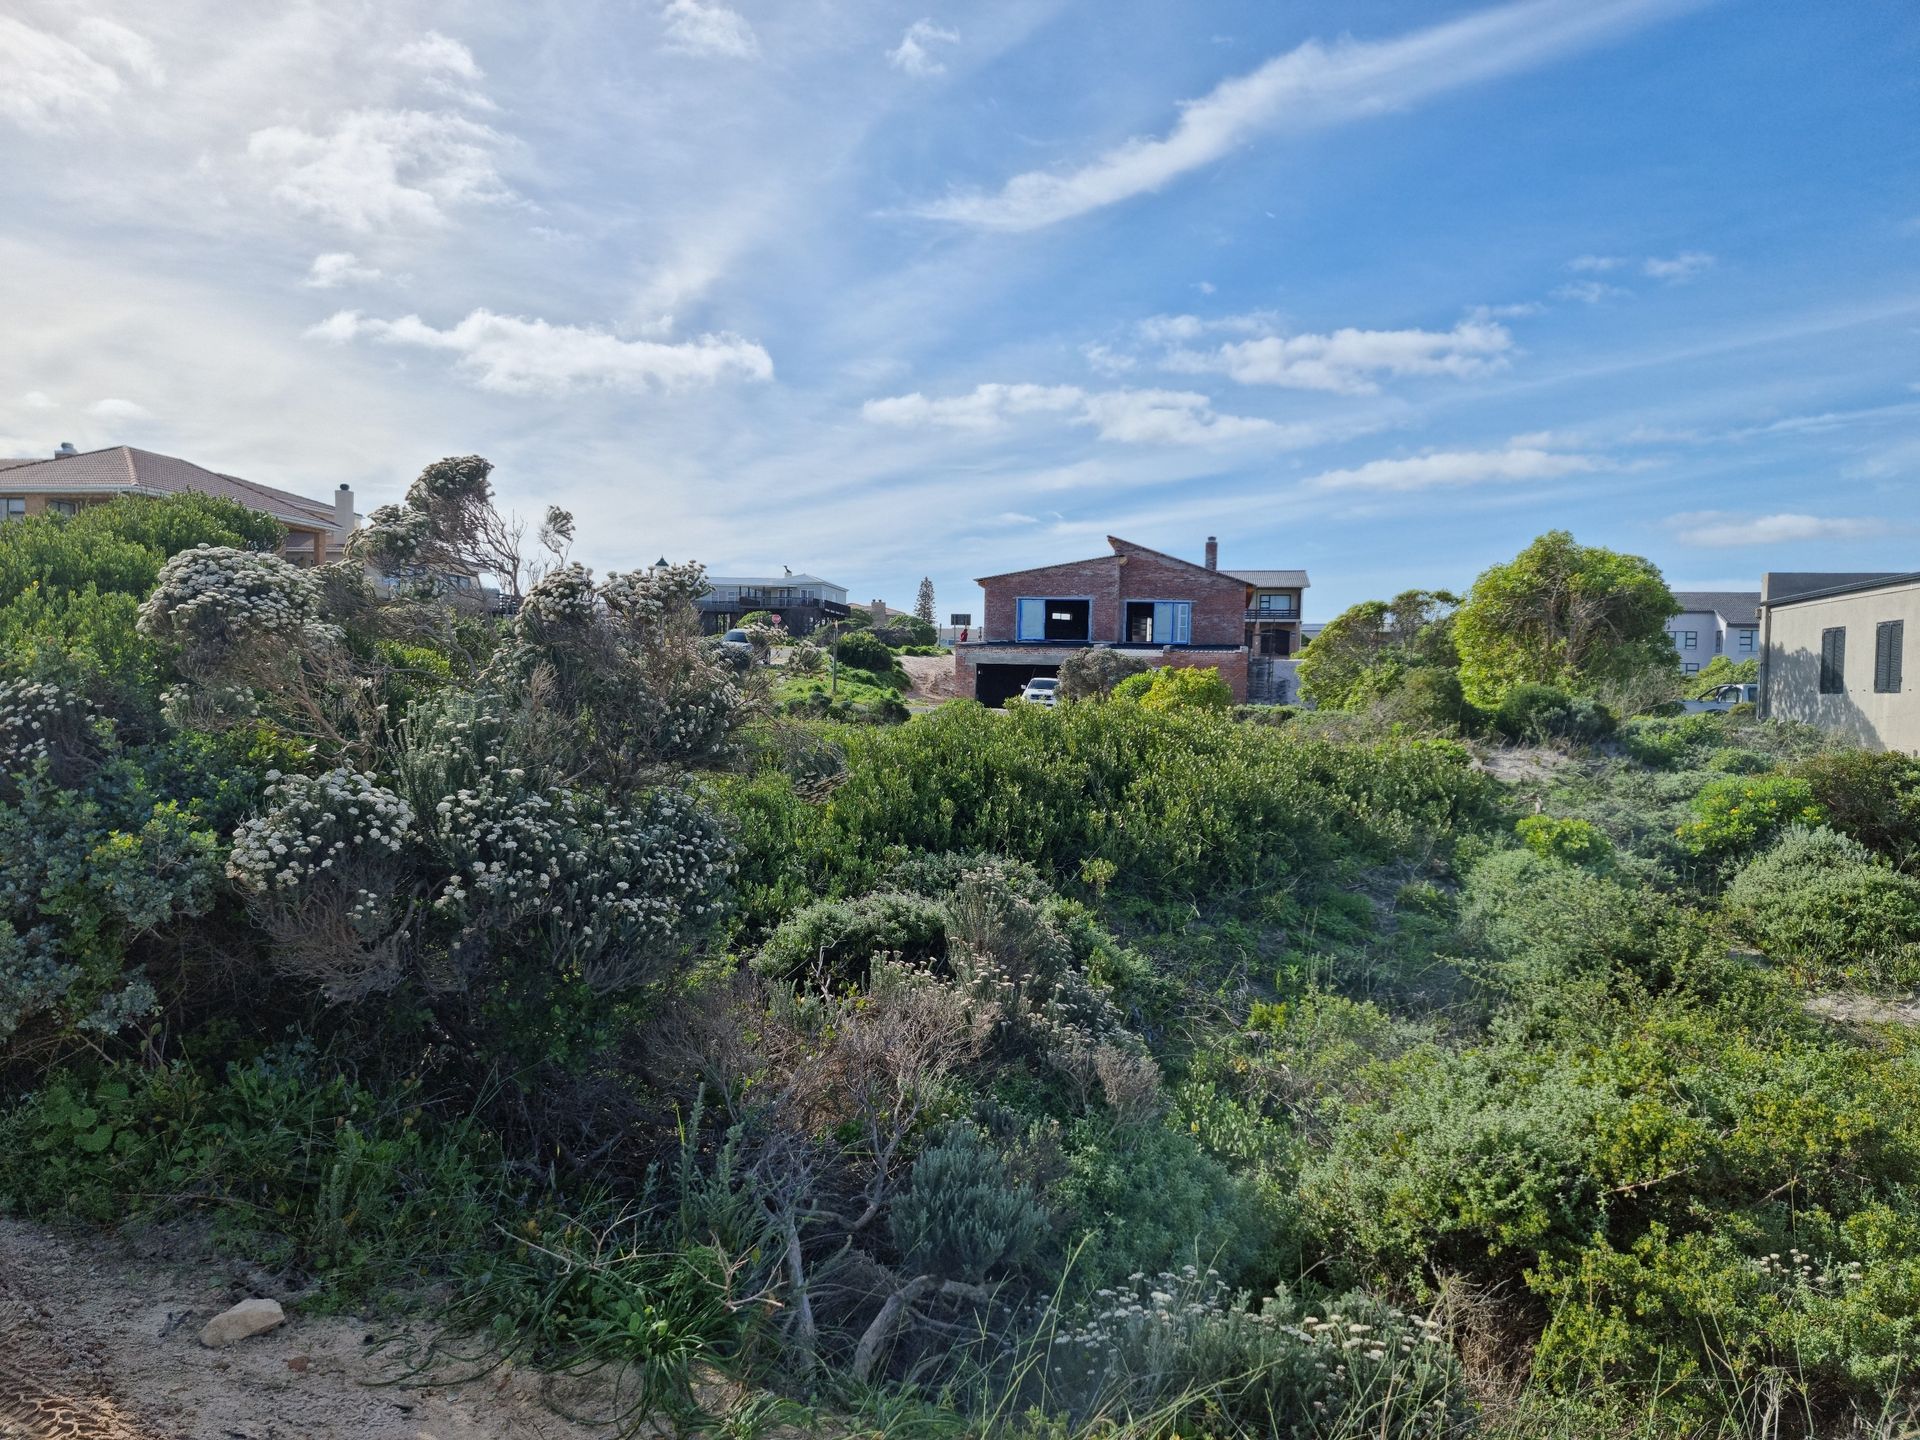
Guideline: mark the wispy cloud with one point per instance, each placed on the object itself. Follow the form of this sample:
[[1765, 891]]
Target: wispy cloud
[[1596, 264], [700, 28], [1677, 269], [1591, 292], [374, 169], [338, 267], [1345, 362], [518, 356], [914, 54], [1720, 529], [1448, 469], [120, 411], [1130, 417], [1312, 86], [51, 82]]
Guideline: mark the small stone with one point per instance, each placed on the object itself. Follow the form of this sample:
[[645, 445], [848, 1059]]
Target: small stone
[[297, 1364], [248, 1318]]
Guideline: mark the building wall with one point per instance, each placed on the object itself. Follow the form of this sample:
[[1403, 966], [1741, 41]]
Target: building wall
[[1790, 673], [1231, 663], [1219, 600], [1713, 636]]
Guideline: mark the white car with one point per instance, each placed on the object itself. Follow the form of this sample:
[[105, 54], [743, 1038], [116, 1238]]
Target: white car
[[1042, 690], [1724, 697]]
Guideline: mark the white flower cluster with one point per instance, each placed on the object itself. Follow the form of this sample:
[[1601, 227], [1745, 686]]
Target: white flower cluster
[[319, 827], [597, 880], [32, 713], [392, 535], [646, 597], [564, 597], [1799, 1270], [213, 601]]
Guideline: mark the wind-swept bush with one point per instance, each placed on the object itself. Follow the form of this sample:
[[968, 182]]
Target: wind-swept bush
[[1822, 901]]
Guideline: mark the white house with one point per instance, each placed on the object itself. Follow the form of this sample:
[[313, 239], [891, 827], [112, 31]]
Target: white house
[[1836, 655], [1713, 623]]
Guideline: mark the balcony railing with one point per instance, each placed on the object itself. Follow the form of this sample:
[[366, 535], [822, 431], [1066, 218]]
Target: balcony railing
[[1273, 614]]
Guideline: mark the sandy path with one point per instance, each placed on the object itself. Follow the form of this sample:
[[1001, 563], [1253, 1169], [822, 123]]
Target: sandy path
[[98, 1343]]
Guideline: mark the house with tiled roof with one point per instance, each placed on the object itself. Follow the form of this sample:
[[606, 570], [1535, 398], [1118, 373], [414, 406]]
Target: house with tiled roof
[[69, 479], [1715, 622]]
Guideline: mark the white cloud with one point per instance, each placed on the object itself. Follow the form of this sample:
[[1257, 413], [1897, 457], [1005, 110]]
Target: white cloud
[[441, 54], [701, 28], [912, 54], [1129, 417], [338, 267], [1677, 269], [1312, 86], [1591, 292], [120, 410], [37, 400], [1346, 362], [518, 356], [1721, 529], [1596, 264], [1453, 468], [376, 169], [1106, 360], [48, 83]]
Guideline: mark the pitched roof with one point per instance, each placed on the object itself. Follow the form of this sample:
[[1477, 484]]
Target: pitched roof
[[1777, 587], [124, 468], [1273, 579], [1736, 607]]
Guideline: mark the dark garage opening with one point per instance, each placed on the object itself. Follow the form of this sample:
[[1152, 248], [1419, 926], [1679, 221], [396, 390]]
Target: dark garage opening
[[996, 684]]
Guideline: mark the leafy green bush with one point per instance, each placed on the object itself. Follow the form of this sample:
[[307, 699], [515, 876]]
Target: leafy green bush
[[962, 1216], [1548, 922], [844, 936], [1740, 813], [1572, 840], [1823, 901], [1186, 687], [864, 651], [1532, 713], [1874, 796]]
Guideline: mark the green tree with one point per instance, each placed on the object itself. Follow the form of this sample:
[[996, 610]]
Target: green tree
[[1364, 650], [1722, 670], [1561, 613], [923, 602]]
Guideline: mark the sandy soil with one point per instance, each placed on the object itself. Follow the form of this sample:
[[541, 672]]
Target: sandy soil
[[98, 1342], [932, 677]]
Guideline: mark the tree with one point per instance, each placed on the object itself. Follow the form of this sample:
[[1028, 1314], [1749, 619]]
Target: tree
[[1364, 651], [448, 526], [1091, 674], [923, 602], [1561, 613]]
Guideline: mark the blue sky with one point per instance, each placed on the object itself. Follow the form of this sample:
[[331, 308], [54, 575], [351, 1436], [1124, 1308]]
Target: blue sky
[[1378, 288]]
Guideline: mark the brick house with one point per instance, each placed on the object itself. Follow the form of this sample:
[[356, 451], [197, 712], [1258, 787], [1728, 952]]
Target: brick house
[[1168, 611], [68, 480]]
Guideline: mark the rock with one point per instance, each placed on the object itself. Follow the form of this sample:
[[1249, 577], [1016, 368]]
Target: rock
[[248, 1318], [297, 1364]]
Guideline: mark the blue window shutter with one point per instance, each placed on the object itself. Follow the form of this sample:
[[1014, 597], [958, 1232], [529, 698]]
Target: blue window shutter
[[1172, 622], [1032, 621]]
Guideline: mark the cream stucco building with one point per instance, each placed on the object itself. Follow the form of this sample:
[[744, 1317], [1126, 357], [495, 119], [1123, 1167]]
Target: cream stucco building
[[1836, 653]]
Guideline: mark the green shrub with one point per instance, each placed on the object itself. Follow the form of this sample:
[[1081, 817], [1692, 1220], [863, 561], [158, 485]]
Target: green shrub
[[1740, 813], [1187, 687], [1874, 796], [1133, 687], [1548, 922], [864, 651], [1573, 840], [1823, 901], [962, 1216], [844, 936], [1736, 761], [1430, 698], [1532, 713]]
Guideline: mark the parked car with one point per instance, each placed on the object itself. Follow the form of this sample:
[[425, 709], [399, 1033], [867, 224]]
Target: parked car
[[737, 642], [1042, 690], [1724, 697]]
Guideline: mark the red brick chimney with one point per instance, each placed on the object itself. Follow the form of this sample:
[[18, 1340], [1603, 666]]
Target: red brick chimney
[[1213, 553]]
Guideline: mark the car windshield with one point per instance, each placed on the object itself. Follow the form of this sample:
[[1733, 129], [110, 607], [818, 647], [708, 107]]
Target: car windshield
[[1041, 684], [738, 637]]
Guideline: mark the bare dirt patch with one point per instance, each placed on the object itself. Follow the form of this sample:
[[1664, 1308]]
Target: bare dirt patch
[[98, 1342], [1856, 1009], [932, 677]]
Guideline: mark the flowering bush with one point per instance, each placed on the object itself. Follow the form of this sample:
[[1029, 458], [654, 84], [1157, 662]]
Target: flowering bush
[[1272, 1368], [1742, 812], [234, 610], [1573, 840]]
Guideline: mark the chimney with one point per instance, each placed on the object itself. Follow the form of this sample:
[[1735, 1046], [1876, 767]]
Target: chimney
[[344, 520], [66, 449], [1213, 552]]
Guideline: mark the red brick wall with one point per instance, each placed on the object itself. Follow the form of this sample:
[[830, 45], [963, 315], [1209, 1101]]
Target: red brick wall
[[1132, 573]]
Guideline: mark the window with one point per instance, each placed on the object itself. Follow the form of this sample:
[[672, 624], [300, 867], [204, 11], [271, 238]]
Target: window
[[1275, 605], [1159, 622], [1746, 639], [1053, 619], [1833, 661], [64, 507], [1889, 638], [1690, 668], [1689, 639], [16, 509]]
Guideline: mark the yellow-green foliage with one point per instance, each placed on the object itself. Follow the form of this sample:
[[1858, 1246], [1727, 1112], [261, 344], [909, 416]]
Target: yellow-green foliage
[[1744, 811]]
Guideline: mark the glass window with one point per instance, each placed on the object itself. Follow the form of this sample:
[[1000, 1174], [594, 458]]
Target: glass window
[[1689, 639], [1690, 668], [16, 509], [63, 507], [1746, 639]]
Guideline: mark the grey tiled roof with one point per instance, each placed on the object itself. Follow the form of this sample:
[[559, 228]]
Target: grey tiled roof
[[1736, 607], [122, 467], [1272, 579]]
